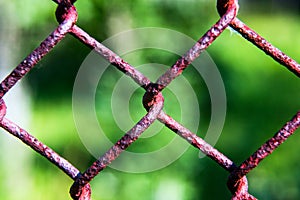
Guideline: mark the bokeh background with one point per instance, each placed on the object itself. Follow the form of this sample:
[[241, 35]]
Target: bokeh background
[[261, 97]]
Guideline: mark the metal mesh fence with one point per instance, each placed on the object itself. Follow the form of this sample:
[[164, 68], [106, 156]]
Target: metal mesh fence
[[153, 99]]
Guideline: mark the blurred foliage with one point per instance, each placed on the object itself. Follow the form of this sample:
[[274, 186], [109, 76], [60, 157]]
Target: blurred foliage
[[261, 95]]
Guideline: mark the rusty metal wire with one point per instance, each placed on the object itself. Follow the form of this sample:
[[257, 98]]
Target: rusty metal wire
[[153, 100]]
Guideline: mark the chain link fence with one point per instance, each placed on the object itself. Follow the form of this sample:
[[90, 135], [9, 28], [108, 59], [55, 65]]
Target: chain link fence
[[153, 100]]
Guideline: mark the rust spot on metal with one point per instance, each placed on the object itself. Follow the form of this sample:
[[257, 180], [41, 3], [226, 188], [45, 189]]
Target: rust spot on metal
[[2, 109]]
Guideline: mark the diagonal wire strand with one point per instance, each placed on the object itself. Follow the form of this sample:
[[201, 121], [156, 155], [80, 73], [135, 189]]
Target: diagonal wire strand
[[196, 141], [39, 147], [32, 59], [266, 149], [203, 43], [265, 46], [131, 136], [111, 57]]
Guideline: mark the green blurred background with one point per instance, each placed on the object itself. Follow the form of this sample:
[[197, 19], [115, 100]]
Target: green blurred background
[[261, 97]]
